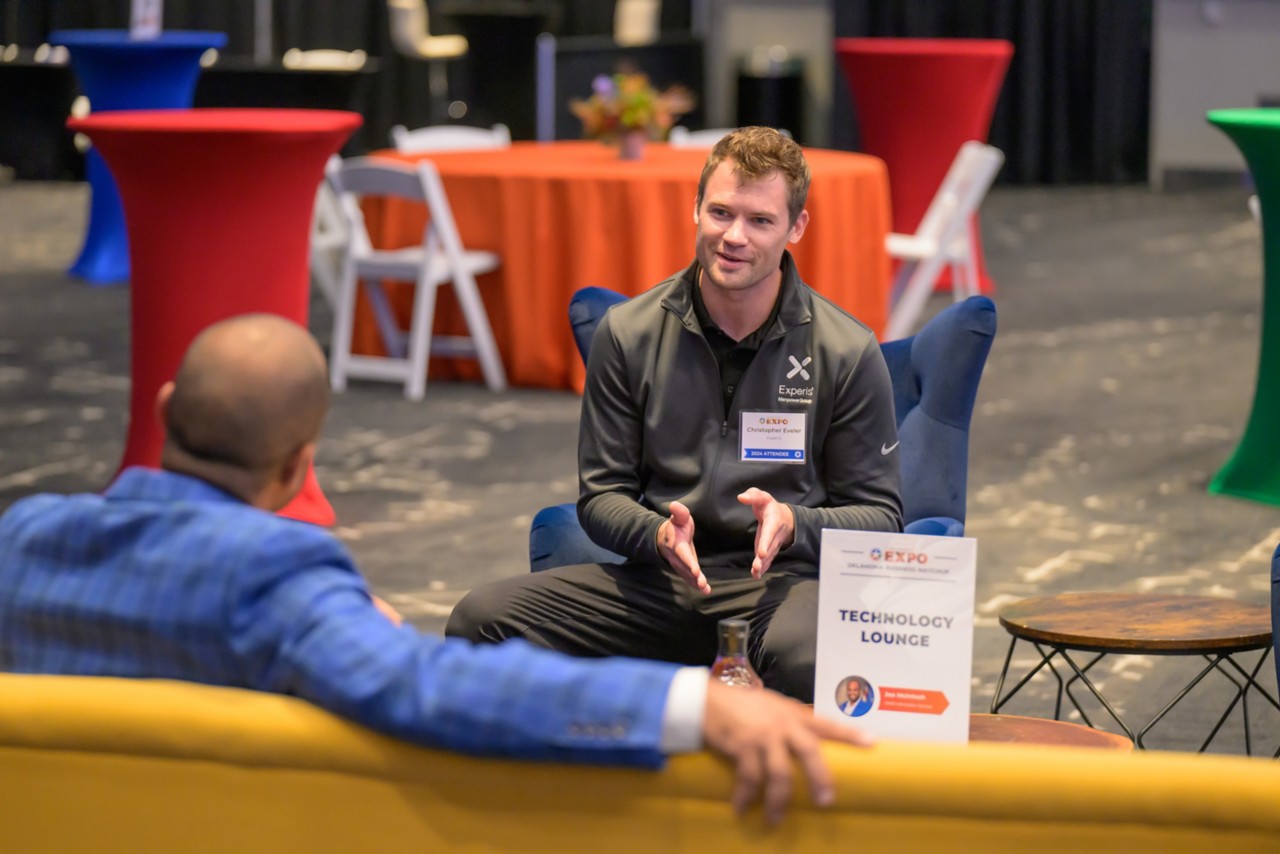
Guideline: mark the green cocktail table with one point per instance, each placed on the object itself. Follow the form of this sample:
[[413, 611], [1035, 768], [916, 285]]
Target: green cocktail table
[[1253, 471]]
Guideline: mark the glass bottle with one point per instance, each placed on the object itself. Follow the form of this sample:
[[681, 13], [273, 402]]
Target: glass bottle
[[732, 666]]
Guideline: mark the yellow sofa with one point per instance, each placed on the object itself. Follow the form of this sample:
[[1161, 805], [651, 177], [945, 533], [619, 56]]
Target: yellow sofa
[[96, 764]]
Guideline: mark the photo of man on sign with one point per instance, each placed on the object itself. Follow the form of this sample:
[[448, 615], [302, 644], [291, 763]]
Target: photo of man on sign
[[855, 696]]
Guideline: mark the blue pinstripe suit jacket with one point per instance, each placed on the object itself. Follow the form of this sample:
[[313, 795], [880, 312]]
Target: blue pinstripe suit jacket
[[165, 576]]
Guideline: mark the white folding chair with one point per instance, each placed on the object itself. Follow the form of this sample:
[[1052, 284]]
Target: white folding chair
[[328, 230], [440, 258], [329, 236], [449, 138], [944, 238], [681, 137]]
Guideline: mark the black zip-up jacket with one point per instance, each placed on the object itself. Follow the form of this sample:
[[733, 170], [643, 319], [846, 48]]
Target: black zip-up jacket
[[654, 427]]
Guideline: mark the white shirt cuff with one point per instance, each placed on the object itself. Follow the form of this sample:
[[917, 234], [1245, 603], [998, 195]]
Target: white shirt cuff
[[685, 709]]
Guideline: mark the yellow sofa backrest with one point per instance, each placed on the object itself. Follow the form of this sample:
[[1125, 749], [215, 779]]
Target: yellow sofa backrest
[[99, 764]]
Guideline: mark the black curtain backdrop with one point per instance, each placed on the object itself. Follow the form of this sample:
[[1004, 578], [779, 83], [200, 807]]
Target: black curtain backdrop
[[1074, 107], [1075, 103], [397, 91], [398, 88]]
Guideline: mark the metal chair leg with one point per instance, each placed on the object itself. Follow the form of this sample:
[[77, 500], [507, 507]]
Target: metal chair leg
[[1093, 689]]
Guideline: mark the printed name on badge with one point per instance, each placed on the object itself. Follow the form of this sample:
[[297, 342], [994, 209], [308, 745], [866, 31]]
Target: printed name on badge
[[773, 437]]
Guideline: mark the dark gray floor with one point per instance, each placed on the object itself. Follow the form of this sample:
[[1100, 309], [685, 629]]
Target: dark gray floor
[[1119, 381]]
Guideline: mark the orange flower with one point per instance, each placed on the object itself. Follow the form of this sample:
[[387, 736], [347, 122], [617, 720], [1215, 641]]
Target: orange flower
[[626, 102]]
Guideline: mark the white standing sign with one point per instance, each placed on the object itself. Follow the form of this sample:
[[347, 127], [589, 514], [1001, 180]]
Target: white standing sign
[[144, 22], [895, 633]]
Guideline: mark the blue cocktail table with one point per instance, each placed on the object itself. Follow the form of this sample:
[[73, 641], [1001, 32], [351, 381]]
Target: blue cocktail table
[[117, 72]]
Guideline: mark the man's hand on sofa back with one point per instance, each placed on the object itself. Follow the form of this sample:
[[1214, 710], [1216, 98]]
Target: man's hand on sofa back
[[764, 734]]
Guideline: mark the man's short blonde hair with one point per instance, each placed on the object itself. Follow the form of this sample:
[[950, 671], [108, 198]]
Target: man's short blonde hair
[[758, 152]]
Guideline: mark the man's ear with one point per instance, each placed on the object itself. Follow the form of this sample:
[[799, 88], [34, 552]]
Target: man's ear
[[293, 473], [162, 404], [797, 229]]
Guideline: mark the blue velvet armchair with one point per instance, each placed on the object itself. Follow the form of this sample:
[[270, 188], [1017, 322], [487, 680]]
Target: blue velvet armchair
[[935, 376]]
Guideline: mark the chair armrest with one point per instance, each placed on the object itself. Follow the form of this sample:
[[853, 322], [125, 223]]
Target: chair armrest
[[556, 538], [937, 526]]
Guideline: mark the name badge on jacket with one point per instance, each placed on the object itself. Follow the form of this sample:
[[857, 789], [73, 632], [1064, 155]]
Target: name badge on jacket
[[772, 437]]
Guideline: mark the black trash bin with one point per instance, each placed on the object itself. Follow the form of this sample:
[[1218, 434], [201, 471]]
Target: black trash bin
[[771, 90]]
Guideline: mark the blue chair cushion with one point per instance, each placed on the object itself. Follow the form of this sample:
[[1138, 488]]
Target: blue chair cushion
[[557, 539], [586, 309], [935, 526]]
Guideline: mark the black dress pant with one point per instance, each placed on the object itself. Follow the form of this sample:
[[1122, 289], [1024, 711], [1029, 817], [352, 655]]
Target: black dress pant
[[647, 611]]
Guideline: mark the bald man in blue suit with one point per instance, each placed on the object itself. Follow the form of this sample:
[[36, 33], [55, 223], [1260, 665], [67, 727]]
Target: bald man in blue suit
[[186, 573]]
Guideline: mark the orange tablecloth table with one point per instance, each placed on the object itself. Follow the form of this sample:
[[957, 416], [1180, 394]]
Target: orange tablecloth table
[[218, 207], [917, 102], [565, 215]]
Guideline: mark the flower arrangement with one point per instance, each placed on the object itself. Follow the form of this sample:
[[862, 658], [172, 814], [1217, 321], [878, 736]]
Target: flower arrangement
[[622, 103]]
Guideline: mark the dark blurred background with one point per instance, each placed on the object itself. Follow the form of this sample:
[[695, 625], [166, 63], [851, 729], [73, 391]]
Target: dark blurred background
[[1073, 109]]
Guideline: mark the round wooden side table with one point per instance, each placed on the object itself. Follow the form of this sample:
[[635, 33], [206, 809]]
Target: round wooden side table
[[1102, 624], [1016, 729]]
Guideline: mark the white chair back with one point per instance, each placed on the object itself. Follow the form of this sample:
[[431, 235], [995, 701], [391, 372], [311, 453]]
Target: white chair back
[[943, 238], [961, 192], [408, 20], [439, 259], [411, 37], [411, 33], [52, 54], [636, 22], [449, 138], [329, 236], [682, 137], [324, 59], [359, 177]]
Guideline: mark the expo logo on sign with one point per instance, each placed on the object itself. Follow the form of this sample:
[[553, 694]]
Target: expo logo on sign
[[899, 556]]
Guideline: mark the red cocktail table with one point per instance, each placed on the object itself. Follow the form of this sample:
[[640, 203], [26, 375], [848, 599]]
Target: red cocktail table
[[218, 209], [917, 101]]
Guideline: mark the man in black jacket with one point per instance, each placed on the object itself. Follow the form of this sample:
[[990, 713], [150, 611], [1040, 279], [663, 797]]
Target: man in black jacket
[[730, 414]]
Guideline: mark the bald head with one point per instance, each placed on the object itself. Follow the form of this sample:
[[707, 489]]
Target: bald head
[[251, 391]]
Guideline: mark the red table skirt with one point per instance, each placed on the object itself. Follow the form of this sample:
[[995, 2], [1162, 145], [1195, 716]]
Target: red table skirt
[[917, 101], [218, 205]]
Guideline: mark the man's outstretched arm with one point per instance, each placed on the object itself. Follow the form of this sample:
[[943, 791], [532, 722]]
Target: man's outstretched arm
[[315, 633]]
